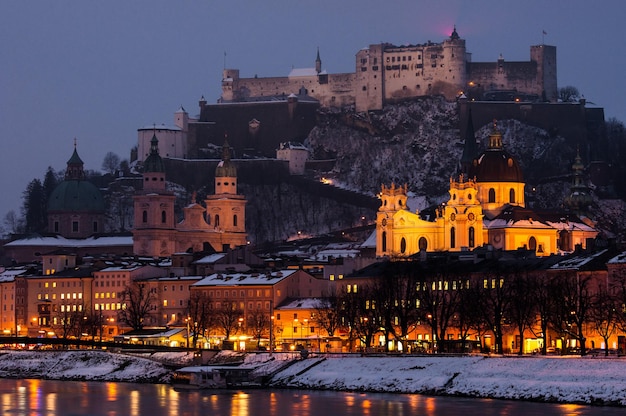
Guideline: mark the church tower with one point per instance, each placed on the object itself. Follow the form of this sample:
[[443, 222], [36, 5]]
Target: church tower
[[226, 210], [580, 196], [154, 223]]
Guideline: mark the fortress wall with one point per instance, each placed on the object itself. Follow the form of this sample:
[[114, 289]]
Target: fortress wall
[[520, 76]]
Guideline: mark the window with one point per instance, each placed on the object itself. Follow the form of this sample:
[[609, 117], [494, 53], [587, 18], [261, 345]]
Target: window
[[422, 243], [235, 220], [402, 245], [532, 244], [95, 226], [384, 238], [471, 236], [492, 195], [452, 237], [144, 216], [512, 196], [75, 226], [217, 220], [163, 217]]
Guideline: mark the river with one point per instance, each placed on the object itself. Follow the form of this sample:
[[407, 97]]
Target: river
[[70, 398]]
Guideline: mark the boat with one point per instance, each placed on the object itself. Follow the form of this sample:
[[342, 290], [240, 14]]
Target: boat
[[214, 377]]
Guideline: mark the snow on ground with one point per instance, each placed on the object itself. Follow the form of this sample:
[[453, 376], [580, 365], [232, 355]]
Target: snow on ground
[[81, 365], [553, 379], [572, 380]]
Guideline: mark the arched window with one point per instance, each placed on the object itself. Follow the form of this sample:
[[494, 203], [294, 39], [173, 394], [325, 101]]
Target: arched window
[[452, 237], [402, 245], [422, 243], [532, 243], [208, 219], [471, 236], [163, 217], [235, 220], [492, 195], [384, 241], [217, 220], [512, 196], [144, 216]]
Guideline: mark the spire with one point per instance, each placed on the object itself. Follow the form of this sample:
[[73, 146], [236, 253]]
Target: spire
[[318, 62], [470, 149]]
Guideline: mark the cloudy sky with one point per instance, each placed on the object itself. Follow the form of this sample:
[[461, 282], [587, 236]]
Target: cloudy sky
[[98, 71]]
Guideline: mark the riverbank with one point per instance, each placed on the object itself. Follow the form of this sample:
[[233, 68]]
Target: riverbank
[[595, 381]]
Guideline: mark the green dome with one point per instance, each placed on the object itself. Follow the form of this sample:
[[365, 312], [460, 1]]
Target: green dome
[[76, 196]]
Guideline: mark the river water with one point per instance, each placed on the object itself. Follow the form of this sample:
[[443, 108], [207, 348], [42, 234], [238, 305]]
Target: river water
[[69, 398]]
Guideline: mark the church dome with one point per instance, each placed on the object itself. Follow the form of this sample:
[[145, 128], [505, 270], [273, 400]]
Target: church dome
[[76, 196], [495, 164]]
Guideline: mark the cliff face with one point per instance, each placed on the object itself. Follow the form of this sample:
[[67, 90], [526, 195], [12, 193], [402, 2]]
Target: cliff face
[[419, 143]]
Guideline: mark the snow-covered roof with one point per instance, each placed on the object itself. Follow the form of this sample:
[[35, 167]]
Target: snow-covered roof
[[619, 259], [370, 242], [159, 127], [502, 223], [305, 303], [304, 72], [211, 258], [8, 275], [244, 279], [576, 262], [62, 242]]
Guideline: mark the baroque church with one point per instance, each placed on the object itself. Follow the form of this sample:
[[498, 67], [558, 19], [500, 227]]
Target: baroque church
[[486, 206], [219, 226]]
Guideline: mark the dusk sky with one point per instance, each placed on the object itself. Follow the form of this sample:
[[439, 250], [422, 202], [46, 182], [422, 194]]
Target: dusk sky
[[98, 71]]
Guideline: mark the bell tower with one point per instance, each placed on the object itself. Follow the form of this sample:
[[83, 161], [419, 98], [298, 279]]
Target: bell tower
[[226, 209], [154, 224]]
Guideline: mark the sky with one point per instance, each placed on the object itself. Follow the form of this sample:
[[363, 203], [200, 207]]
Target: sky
[[98, 71]]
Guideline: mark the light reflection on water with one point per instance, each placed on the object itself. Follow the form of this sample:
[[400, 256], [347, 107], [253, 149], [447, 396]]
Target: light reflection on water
[[51, 398]]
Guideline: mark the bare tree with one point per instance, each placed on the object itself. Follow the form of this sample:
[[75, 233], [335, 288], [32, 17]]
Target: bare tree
[[258, 323], [199, 313], [137, 303], [522, 310], [573, 306], [227, 318], [328, 314], [439, 296], [605, 315], [111, 163], [569, 94]]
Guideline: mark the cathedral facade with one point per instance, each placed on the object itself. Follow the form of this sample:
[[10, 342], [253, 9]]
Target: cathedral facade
[[218, 225], [486, 206]]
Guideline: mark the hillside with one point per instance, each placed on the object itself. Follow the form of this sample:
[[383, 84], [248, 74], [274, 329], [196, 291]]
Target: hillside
[[416, 142]]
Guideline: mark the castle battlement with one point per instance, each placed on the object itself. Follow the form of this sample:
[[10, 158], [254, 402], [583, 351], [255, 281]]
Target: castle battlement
[[386, 73]]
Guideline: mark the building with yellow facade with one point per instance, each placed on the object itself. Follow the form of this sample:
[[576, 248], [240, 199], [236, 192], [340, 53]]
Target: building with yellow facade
[[486, 206]]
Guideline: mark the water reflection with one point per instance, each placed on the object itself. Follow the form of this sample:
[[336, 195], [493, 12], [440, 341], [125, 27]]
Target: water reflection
[[51, 398]]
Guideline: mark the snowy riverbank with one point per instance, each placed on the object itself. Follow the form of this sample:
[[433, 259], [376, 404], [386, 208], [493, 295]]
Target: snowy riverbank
[[551, 379]]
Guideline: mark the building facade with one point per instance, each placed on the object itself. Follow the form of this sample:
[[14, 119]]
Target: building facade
[[218, 225], [486, 206]]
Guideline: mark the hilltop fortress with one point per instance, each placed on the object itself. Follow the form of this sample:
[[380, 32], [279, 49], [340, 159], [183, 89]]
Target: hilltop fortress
[[385, 73]]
